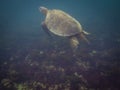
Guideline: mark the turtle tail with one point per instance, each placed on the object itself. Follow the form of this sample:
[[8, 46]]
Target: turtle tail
[[74, 43]]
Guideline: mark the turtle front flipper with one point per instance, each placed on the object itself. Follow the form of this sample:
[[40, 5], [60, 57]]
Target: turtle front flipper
[[74, 43], [44, 27]]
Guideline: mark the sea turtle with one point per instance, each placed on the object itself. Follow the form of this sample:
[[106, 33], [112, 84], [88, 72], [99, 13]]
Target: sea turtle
[[62, 24]]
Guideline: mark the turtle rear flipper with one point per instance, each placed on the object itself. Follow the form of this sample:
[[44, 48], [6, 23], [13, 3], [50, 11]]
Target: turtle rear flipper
[[74, 43], [82, 36], [86, 33]]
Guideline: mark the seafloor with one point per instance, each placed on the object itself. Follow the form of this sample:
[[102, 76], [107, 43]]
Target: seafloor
[[50, 65]]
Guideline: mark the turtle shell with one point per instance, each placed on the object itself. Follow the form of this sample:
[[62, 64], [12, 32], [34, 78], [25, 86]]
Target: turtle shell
[[62, 24]]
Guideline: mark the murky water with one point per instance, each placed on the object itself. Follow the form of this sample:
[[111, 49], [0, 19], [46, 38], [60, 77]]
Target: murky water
[[31, 60]]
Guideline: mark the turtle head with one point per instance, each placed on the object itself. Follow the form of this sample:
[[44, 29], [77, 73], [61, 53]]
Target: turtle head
[[43, 10]]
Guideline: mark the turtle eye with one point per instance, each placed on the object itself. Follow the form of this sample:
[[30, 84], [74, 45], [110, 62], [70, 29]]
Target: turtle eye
[[40, 8]]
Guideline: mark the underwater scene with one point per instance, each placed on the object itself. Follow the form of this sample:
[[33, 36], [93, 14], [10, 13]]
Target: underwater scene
[[59, 45]]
